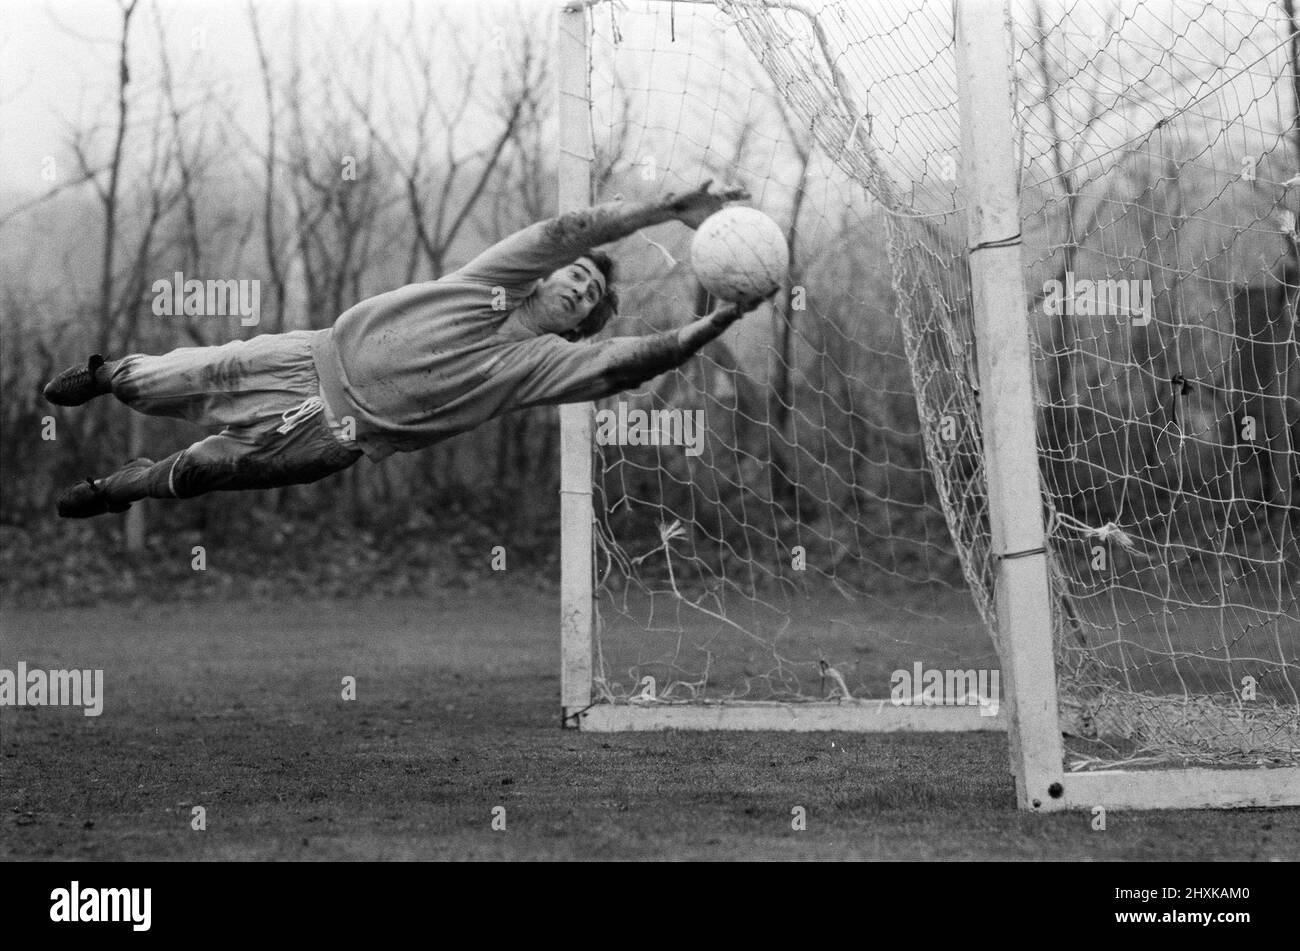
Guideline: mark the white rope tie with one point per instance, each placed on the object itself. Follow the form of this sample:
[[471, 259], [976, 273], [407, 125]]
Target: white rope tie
[[1104, 532]]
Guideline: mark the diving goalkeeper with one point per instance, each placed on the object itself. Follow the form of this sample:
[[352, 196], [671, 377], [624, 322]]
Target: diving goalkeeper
[[400, 371]]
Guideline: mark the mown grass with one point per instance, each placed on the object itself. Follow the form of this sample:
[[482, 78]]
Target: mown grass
[[237, 707]]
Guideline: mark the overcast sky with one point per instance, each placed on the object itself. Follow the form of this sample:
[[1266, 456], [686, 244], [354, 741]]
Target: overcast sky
[[58, 59]]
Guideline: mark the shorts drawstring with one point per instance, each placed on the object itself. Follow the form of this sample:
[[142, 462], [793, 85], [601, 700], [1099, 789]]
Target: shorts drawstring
[[292, 417]]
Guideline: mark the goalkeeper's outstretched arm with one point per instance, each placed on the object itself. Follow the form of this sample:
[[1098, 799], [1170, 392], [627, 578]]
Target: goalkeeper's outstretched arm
[[635, 360], [539, 249], [579, 372]]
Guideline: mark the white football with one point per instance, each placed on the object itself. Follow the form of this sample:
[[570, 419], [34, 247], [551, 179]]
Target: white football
[[739, 253]]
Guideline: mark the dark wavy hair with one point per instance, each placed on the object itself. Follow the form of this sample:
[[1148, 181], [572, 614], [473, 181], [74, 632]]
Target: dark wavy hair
[[606, 307]]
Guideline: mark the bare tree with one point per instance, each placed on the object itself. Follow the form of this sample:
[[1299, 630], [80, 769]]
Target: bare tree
[[1085, 110], [270, 245], [435, 215], [781, 399]]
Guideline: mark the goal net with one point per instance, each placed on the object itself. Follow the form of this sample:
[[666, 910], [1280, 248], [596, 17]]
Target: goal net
[[798, 519]]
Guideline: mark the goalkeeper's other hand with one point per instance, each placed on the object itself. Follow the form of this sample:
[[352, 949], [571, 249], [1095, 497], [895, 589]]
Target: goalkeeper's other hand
[[731, 311]]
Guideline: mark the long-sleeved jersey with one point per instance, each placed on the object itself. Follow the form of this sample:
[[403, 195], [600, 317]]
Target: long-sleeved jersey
[[427, 361]]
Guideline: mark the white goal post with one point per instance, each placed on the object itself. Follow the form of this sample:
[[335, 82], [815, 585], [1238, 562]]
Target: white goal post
[[860, 503], [577, 538]]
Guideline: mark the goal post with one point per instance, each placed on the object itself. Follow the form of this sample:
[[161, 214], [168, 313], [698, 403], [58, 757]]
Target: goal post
[[922, 490], [573, 169], [985, 82], [575, 160], [986, 95]]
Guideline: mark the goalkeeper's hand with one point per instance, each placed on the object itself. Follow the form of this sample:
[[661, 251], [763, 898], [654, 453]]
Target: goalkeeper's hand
[[691, 208], [726, 314], [703, 329]]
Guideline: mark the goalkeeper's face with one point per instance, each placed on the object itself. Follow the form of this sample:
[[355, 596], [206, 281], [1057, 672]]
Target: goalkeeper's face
[[568, 296]]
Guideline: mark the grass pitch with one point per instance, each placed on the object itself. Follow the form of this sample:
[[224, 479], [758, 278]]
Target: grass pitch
[[237, 708]]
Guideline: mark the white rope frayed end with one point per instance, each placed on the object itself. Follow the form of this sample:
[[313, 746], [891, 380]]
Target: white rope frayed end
[[841, 689], [1105, 532]]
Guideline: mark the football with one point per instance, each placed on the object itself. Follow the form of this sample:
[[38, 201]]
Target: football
[[739, 254]]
